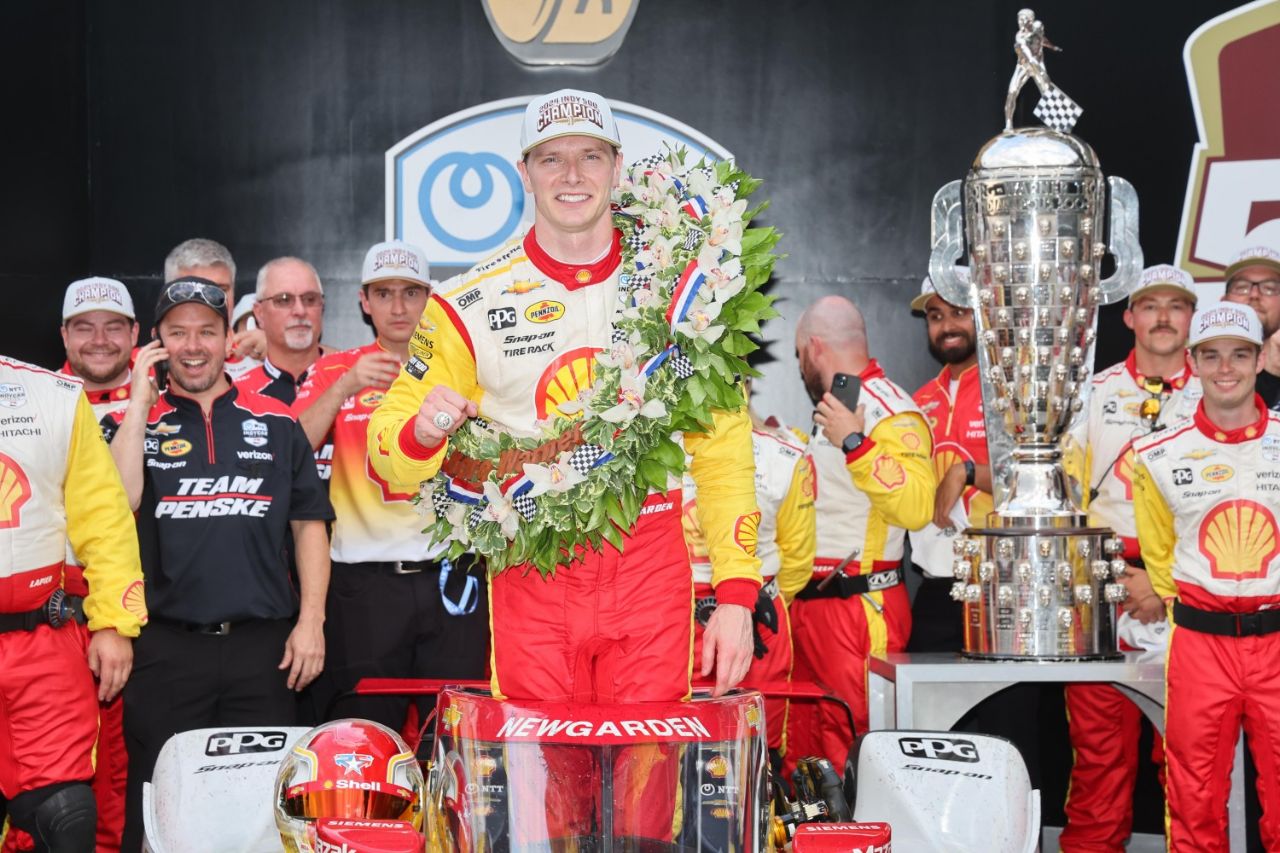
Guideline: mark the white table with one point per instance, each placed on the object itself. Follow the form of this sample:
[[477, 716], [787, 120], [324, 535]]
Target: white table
[[934, 690]]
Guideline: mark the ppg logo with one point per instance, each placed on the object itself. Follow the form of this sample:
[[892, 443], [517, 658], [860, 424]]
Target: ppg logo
[[239, 743], [946, 749], [453, 187], [501, 318]]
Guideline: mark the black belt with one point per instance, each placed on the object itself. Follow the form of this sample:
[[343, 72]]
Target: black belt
[[847, 586], [213, 629], [396, 567], [58, 610], [1252, 624]]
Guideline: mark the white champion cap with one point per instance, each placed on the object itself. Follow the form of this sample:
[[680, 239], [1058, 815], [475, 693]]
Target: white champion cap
[[243, 306], [1254, 256], [97, 294], [1165, 277], [927, 289], [395, 259], [1225, 320], [567, 112]]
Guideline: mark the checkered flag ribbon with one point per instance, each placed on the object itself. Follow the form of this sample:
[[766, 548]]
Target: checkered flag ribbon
[[440, 501], [526, 506], [649, 162], [633, 242], [617, 336], [480, 423], [1057, 110], [474, 517], [681, 364], [692, 238], [584, 457]]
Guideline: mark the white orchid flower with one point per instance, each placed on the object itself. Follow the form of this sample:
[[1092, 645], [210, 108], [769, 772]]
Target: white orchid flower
[[456, 515], [723, 199], [623, 354], [700, 322], [664, 216], [631, 402], [499, 510], [641, 298], [723, 280], [559, 476], [701, 183]]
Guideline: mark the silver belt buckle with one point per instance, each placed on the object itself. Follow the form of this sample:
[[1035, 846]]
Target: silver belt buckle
[[398, 567], [219, 629]]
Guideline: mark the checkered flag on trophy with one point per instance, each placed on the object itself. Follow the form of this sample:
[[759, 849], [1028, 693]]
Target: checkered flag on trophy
[[1057, 110]]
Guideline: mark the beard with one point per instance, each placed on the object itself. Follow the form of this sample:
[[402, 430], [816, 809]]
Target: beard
[[99, 376], [958, 353], [813, 386], [194, 386], [300, 338]]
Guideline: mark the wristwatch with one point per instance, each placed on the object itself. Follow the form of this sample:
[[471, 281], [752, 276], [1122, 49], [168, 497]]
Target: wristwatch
[[852, 442], [970, 472]]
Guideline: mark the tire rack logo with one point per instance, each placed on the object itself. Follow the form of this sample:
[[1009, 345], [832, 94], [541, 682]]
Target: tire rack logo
[[15, 491], [238, 743], [453, 189], [941, 748], [1240, 539], [561, 32], [1233, 189]]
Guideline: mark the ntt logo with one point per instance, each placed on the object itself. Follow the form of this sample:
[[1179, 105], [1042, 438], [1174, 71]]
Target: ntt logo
[[453, 188]]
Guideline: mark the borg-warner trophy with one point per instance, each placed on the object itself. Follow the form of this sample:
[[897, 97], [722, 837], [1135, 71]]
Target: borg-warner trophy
[[1037, 582]]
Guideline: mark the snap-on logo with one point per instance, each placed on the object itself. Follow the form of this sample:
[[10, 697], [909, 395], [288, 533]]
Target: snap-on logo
[[946, 749]]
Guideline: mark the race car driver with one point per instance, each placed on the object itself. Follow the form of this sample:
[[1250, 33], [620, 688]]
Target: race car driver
[[609, 626], [1152, 388], [875, 481], [1205, 498], [57, 482]]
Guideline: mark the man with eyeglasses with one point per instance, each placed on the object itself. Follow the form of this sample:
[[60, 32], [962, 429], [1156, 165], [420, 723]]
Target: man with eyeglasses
[[1205, 496], [1153, 387], [209, 259], [396, 608], [1253, 278], [217, 475]]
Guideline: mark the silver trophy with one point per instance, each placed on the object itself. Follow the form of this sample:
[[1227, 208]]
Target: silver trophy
[[1037, 582]]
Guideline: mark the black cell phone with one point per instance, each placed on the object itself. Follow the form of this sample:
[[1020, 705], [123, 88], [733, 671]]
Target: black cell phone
[[161, 368], [847, 389]]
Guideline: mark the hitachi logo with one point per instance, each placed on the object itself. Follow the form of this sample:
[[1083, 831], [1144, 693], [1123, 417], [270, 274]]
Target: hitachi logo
[[535, 727]]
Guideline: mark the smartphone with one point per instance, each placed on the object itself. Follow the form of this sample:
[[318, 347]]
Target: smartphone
[[847, 389], [161, 368]]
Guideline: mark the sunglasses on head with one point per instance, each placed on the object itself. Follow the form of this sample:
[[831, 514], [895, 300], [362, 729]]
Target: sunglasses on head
[[186, 290]]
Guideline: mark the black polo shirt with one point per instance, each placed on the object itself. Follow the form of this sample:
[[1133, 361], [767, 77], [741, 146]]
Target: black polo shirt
[[1268, 389], [271, 381], [218, 496]]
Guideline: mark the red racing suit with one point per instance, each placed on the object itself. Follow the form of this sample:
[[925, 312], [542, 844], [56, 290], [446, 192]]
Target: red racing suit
[[1104, 724], [1206, 501], [519, 334], [786, 487], [58, 483], [866, 501]]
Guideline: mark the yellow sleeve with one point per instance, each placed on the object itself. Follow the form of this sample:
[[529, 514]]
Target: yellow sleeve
[[723, 471], [440, 353], [1077, 462], [798, 530], [1156, 538], [102, 531], [899, 480]]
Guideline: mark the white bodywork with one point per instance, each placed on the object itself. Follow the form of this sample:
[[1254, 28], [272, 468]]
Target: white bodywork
[[947, 792], [213, 790]]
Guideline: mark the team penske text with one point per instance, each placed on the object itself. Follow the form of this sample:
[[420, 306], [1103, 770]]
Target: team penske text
[[214, 497]]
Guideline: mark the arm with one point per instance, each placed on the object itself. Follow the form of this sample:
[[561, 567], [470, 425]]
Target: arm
[[445, 362], [899, 481], [952, 486], [797, 530], [333, 382], [304, 650], [1156, 537], [129, 435]]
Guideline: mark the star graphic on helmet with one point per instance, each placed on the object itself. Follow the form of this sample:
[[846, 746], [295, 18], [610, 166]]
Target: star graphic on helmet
[[352, 762]]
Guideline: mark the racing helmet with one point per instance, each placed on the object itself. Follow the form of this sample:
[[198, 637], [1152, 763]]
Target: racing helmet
[[350, 769]]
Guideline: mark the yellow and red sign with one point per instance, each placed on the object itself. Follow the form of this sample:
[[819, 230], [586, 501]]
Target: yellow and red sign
[[15, 491], [1240, 540]]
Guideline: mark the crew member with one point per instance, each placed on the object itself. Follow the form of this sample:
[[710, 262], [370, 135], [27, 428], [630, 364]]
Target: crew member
[[210, 260], [1253, 277], [58, 484], [875, 481], [1152, 388], [1205, 499], [396, 610], [217, 474]]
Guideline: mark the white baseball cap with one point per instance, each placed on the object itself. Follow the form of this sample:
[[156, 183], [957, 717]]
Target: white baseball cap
[[927, 289], [1165, 277], [395, 259], [567, 112], [97, 294], [243, 306], [1254, 256], [1225, 320]]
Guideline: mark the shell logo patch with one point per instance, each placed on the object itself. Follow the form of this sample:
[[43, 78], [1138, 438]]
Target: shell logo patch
[[544, 311], [745, 531], [134, 602], [564, 379], [717, 767], [15, 491], [911, 441], [808, 479], [1240, 540], [888, 472], [1218, 473], [176, 447]]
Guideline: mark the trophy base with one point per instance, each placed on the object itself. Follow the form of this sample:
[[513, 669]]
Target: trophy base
[[1038, 594]]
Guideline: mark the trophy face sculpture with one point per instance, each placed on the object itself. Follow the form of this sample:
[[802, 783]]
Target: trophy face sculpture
[[1037, 582]]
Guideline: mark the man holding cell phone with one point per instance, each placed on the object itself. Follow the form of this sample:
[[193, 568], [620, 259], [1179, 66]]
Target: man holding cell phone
[[875, 482]]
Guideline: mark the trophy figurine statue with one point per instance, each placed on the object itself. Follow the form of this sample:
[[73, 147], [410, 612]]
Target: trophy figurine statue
[[1037, 582]]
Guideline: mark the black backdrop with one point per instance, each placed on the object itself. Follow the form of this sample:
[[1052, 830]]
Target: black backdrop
[[131, 126]]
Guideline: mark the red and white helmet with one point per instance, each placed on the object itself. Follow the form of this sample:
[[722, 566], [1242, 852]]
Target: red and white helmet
[[351, 769]]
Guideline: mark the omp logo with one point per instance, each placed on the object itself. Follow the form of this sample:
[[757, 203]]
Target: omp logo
[[945, 749], [239, 743], [546, 311], [1233, 189], [453, 189], [15, 491], [501, 318], [561, 32]]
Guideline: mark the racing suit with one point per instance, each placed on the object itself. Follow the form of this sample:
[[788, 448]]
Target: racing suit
[[1206, 501], [1104, 724], [271, 381], [866, 501], [786, 486], [57, 483]]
